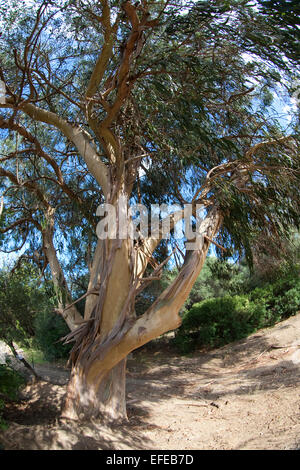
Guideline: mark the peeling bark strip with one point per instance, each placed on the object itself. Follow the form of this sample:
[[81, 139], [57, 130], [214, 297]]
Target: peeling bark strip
[[99, 357]]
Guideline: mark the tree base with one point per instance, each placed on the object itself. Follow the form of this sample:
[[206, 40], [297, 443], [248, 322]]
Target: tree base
[[104, 399]]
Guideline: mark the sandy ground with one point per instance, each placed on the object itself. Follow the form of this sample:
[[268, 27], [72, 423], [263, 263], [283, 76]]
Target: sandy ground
[[243, 396]]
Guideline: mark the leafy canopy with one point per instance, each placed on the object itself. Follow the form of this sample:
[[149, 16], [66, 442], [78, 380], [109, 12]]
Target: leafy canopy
[[181, 111]]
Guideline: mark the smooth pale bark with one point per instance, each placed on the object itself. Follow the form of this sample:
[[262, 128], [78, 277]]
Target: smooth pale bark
[[94, 281], [97, 385], [79, 138], [71, 315]]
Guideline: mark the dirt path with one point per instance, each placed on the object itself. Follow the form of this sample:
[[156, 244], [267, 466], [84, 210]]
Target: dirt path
[[243, 396]]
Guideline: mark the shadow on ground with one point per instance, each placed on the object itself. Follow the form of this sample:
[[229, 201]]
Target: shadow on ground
[[171, 397]]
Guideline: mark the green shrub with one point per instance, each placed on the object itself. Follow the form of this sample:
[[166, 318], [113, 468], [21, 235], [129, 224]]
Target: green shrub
[[217, 279], [49, 329], [20, 296], [10, 383], [288, 304], [282, 298], [263, 294], [218, 321], [214, 322]]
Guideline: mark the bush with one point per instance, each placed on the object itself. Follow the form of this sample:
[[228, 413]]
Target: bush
[[217, 279], [218, 321], [49, 329], [214, 322], [288, 304], [20, 296], [27, 316], [282, 298], [10, 383]]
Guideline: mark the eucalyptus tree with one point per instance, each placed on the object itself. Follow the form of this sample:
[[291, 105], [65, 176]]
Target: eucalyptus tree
[[149, 103]]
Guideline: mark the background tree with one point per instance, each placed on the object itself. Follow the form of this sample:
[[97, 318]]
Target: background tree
[[20, 300], [158, 102]]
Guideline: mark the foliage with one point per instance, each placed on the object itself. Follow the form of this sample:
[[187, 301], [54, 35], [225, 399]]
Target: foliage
[[21, 297], [282, 297], [34, 354], [50, 328], [193, 106], [10, 383], [218, 278], [287, 14], [26, 312], [272, 262], [218, 321]]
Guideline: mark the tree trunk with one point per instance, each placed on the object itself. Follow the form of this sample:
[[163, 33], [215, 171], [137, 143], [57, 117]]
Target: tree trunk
[[107, 318], [97, 396], [71, 316], [111, 331]]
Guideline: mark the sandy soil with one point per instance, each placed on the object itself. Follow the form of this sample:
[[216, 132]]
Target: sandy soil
[[243, 396]]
